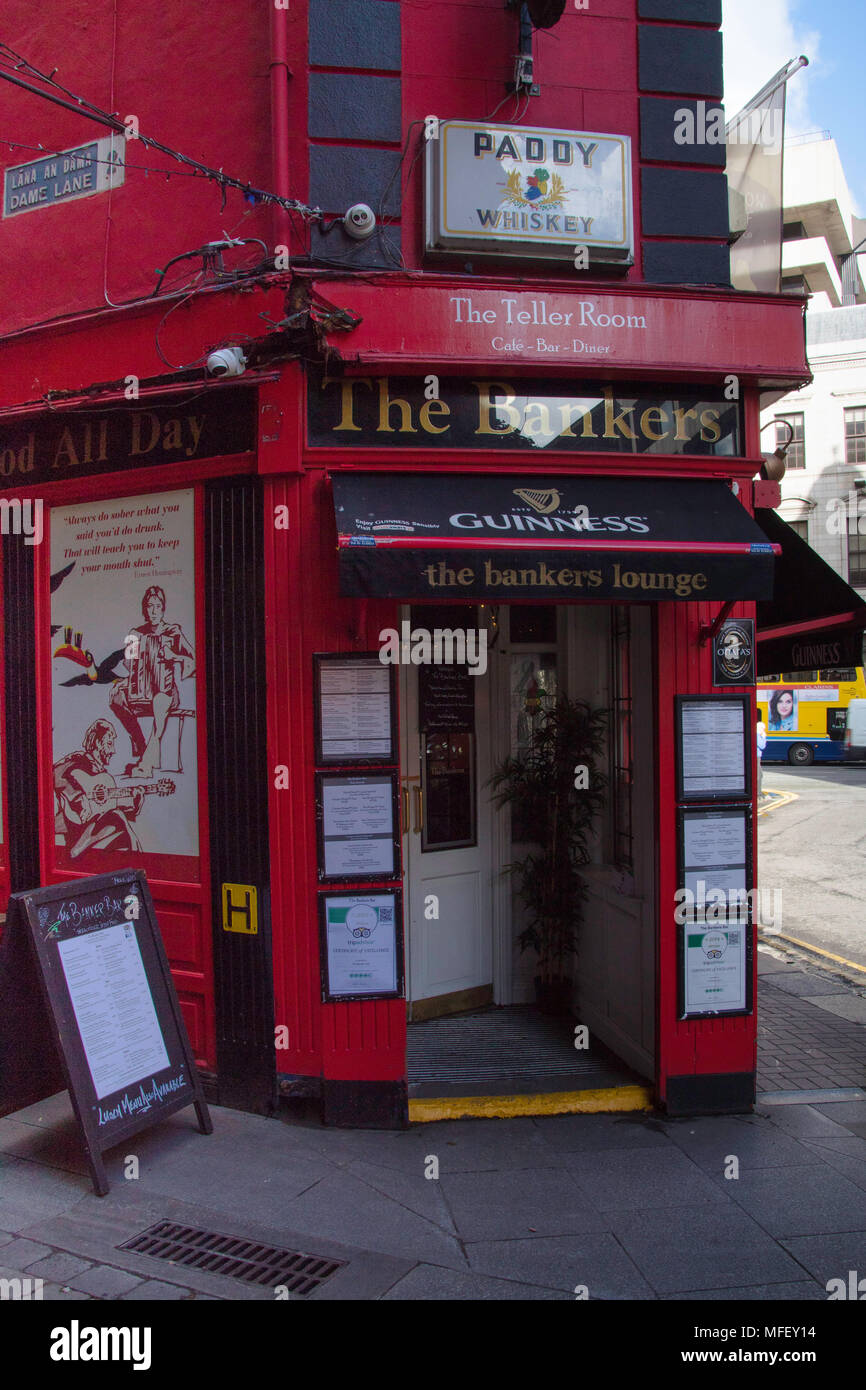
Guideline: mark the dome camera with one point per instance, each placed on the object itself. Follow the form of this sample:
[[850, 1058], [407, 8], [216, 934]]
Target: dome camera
[[360, 221], [227, 361]]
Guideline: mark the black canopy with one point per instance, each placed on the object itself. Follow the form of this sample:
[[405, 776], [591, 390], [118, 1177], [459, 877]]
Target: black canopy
[[449, 535], [815, 619]]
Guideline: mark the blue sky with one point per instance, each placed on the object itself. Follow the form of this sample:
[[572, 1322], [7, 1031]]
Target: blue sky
[[761, 35]]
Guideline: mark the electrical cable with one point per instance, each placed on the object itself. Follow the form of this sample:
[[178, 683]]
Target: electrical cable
[[84, 108]]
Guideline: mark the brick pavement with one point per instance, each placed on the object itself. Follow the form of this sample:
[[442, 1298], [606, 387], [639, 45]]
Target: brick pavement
[[803, 1042]]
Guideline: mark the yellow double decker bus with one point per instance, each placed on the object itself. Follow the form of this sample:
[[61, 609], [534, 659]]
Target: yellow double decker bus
[[806, 712]]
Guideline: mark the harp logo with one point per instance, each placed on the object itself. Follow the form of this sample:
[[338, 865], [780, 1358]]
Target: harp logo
[[541, 501]]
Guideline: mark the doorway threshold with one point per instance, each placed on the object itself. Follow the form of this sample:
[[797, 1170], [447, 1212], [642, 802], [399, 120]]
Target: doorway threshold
[[513, 1060]]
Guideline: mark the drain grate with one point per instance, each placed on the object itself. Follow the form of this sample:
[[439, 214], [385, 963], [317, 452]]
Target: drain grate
[[264, 1265]]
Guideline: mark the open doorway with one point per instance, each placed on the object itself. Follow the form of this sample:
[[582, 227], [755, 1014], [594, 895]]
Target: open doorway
[[475, 1025]]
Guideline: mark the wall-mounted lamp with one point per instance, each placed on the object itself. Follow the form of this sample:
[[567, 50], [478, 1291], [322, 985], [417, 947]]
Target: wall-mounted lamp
[[775, 465]]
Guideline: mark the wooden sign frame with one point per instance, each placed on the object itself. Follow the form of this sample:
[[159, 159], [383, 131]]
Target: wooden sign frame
[[358, 778], [743, 790], [334, 660], [351, 898], [71, 912]]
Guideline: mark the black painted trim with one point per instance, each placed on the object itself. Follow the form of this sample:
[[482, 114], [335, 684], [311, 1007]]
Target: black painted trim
[[22, 769], [672, 59], [684, 202], [683, 11], [238, 782], [725, 1093], [659, 125], [353, 106], [365, 1104], [355, 34], [686, 263]]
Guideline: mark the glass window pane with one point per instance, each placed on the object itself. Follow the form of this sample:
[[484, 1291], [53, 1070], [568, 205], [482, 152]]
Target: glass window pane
[[448, 786]]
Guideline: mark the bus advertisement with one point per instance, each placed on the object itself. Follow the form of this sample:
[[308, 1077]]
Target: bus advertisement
[[805, 713]]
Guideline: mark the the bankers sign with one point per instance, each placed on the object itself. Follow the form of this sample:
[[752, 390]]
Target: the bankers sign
[[529, 192]]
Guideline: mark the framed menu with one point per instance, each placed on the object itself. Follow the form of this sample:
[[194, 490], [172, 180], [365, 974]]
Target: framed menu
[[715, 910], [357, 821], [714, 747], [355, 709], [87, 1001], [361, 945]]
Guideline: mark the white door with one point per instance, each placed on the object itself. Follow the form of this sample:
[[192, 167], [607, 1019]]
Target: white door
[[446, 849]]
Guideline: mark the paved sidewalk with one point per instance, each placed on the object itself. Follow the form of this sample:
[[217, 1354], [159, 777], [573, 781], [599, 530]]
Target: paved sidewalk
[[631, 1206]]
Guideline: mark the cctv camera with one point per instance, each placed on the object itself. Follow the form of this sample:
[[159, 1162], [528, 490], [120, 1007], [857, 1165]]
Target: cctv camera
[[360, 221], [229, 361]]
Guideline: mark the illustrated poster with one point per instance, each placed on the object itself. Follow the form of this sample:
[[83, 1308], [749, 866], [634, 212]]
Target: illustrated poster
[[123, 678]]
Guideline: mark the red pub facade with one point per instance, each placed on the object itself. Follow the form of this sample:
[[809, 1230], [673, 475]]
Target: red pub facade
[[541, 430]]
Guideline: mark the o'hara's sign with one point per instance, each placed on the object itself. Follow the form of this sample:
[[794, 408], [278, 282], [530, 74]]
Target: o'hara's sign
[[526, 414], [529, 192]]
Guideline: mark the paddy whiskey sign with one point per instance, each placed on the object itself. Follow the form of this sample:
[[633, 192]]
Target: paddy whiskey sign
[[509, 191]]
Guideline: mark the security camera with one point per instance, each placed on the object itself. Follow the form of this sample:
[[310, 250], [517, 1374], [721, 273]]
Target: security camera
[[228, 361], [360, 221]]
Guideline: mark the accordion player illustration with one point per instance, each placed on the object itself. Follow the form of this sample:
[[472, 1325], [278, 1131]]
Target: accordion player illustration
[[158, 657]]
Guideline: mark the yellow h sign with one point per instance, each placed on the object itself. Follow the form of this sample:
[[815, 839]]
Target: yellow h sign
[[241, 908]]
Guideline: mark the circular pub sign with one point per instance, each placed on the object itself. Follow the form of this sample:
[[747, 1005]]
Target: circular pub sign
[[734, 653]]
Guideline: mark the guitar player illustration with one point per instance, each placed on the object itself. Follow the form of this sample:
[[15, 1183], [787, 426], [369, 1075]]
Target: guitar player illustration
[[95, 812], [158, 657]]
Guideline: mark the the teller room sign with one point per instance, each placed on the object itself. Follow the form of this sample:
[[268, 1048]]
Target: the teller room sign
[[529, 192]]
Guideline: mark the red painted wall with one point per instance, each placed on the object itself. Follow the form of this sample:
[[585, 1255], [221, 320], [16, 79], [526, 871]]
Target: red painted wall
[[304, 615], [197, 77]]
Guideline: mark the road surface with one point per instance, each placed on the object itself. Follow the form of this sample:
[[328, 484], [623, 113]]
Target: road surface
[[814, 851]]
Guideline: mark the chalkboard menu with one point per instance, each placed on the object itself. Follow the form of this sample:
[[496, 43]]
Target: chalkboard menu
[[86, 958], [446, 698]]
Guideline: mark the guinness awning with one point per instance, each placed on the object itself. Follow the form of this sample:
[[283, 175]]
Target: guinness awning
[[481, 536], [815, 619]]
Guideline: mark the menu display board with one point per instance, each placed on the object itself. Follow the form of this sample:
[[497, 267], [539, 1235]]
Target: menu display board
[[715, 911], [361, 945], [446, 698], [716, 852], [87, 1001], [714, 747], [357, 821], [355, 709]]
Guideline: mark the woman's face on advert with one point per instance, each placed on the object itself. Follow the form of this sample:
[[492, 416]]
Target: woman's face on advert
[[785, 705]]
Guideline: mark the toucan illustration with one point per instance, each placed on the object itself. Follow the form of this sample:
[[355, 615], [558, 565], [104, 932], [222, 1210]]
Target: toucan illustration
[[96, 673]]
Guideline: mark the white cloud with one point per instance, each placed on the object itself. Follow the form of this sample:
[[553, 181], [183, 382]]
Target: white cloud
[[760, 37]]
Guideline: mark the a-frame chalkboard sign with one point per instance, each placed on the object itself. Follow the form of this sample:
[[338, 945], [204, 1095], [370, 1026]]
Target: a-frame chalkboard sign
[[87, 1002]]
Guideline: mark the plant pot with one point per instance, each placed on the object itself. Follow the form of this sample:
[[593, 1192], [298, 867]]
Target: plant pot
[[553, 996]]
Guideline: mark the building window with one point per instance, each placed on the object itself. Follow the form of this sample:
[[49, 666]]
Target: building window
[[857, 560], [797, 447], [621, 748], [801, 527], [855, 435]]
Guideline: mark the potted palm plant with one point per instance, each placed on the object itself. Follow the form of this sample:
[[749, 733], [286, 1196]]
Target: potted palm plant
[[555, 789]]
